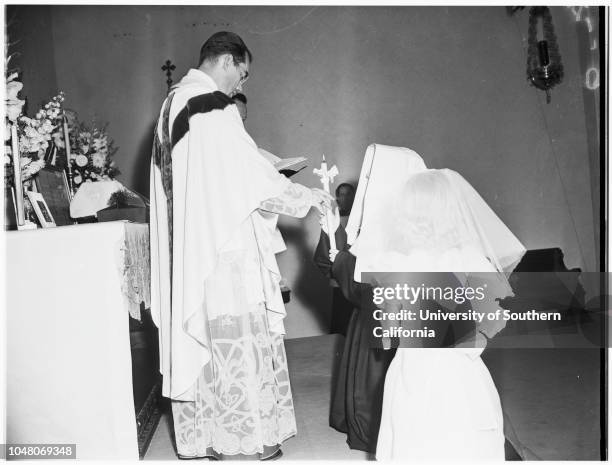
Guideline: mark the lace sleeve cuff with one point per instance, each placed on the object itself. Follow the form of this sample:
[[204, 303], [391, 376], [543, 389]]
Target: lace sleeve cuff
[[295, 201]]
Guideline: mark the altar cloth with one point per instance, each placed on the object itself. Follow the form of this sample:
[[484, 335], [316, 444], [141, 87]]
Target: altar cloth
[[69, 371]]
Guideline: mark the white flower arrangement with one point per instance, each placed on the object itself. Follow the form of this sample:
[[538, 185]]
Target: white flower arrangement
[[14, 105], [91, 148], [30, 167], [35, 133], [91, 152]]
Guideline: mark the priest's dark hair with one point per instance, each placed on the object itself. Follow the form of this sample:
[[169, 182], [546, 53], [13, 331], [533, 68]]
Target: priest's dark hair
[[240, 97], [225, 42]]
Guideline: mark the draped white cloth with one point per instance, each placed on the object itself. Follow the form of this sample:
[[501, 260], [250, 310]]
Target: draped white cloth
[[136, 285], [440, 403], [437, 210], [219, 180], [383, 173], [69, 370], [220, 310]]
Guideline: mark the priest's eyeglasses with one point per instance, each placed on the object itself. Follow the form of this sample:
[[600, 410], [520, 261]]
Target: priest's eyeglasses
[[244, 74]]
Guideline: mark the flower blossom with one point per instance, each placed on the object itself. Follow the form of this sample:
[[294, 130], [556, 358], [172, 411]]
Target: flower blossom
[[82, 160], [30, 167], [98, 160]]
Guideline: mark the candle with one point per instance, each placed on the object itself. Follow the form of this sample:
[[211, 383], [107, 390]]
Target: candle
[[68, 163], [327, 176], [540, 29], [17, 175]]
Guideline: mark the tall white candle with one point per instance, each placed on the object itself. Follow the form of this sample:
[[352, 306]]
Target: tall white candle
[[17, 175], [68, 163], [540, 29], [327, 176]]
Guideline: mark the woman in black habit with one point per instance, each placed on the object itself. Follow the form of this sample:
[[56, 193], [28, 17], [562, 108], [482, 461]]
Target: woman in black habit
[[356, 404]]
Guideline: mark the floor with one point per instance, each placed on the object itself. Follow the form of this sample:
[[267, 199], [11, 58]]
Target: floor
[[551, 397]]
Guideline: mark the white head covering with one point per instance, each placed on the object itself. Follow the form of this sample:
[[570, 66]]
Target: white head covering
[[384, 171], [498, 243], [439, 211]]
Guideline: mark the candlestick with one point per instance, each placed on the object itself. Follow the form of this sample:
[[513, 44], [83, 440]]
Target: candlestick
[[327, 176], [68, 162], [17, 175]]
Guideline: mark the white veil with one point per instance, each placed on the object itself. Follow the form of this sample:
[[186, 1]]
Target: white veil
[[384, 171], [497, 242], [438, 210]]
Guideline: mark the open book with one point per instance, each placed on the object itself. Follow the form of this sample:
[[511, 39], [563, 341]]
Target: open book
[[286, 166]]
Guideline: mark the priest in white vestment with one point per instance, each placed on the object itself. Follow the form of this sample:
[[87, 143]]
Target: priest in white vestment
[[215, 282]]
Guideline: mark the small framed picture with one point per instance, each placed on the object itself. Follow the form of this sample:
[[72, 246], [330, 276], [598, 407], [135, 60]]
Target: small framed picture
[[52, 184], [41, 209]]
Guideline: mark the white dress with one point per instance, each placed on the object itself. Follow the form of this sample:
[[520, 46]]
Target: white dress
[[440, 403]]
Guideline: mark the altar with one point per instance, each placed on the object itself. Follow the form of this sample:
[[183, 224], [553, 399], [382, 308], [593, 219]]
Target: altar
[[70, 293]]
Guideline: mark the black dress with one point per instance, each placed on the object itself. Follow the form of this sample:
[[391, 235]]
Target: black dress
[[341, 307], [356, 404]]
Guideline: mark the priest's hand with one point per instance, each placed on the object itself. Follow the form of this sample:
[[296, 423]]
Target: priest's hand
[[334, 220], [332, 254], [321, 200]]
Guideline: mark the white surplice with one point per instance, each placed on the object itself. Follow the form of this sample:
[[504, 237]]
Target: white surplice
[[220, 313]]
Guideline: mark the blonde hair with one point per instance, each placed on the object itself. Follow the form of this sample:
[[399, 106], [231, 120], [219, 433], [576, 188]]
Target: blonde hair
[[429, 214]]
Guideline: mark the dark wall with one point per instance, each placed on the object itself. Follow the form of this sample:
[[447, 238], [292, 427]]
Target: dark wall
[[449, 83], [31, 47]]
